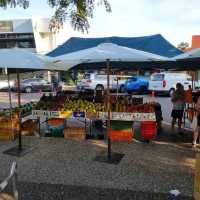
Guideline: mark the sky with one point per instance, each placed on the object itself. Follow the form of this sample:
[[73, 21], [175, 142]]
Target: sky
[[176, 20]]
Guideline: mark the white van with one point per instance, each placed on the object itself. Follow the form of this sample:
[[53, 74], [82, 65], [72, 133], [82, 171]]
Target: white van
[[99, 82], [166, 82]]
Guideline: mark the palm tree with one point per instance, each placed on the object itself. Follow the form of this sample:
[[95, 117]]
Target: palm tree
[[77, 11]]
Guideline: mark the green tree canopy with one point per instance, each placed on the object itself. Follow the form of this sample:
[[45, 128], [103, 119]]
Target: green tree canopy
[[77, 11]]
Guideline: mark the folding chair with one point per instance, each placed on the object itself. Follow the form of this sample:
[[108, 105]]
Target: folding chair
[[12, 178]]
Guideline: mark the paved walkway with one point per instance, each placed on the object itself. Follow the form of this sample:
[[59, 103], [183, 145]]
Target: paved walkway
[[64, 169]]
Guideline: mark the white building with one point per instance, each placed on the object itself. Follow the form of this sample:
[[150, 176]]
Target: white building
[[33, 34]]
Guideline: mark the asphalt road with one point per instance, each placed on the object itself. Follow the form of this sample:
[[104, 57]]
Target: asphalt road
[[4, 102]]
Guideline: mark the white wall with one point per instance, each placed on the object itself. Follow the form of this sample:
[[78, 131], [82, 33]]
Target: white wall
[[42, 35]]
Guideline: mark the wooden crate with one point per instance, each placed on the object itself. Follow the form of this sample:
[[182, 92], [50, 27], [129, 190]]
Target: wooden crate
[[7, 134], [8, 128], [29, 127], [77, 133]]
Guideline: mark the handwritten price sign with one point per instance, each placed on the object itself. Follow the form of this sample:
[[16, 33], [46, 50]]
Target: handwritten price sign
[[123, 116]]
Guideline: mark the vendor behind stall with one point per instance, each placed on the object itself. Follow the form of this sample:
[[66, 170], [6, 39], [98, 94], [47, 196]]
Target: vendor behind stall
[[178, 101]]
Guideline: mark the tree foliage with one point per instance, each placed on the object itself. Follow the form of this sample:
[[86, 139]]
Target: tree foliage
[[182, 46], [77, 11]]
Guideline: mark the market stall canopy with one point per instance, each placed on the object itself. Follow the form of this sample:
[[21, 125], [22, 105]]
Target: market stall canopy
[[190, 55], [188, 61], [20, 59], [156, 44], [117, 55]]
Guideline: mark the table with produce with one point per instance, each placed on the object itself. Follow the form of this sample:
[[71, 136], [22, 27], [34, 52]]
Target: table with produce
[[125, 110]]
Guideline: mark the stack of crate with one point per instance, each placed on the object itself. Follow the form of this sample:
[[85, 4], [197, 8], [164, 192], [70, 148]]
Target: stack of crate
[[76, 133], [8, 128]]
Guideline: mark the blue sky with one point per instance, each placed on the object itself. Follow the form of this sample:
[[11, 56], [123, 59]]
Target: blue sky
[[176, 20]]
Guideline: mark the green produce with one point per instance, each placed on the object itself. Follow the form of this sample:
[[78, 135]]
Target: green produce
[[83, 106]]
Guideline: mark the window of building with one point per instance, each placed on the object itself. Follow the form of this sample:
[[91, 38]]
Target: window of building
[[6, 26], [20, 44], [26, 44]]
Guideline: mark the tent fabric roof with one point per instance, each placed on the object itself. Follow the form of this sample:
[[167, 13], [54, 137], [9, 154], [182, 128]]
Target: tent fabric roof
[[156, 44], [106, 51]]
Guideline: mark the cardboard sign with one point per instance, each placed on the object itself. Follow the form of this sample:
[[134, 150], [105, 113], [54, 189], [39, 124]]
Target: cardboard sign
[[79, 114], [124, 116], [45, 113]]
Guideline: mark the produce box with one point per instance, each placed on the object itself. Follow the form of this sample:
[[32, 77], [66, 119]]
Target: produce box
[[28, 127], [121, 125], [56, 127], [121, 131], [121, 136], [8, 128], [76, 133]]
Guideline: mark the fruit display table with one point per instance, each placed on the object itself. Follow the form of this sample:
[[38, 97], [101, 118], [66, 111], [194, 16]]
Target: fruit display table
[[79, 106], [124, 107]]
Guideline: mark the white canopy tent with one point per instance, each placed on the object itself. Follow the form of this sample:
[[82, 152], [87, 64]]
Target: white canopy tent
[[20, 60], [17, 58], [190, 55], [103, 52], [106, 53], [189, 61]]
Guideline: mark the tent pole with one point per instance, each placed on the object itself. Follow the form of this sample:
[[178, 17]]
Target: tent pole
[[19, 114], [9, 93], [108, 107]]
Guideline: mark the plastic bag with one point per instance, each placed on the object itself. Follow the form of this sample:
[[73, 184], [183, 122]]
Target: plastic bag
[[174, 192]]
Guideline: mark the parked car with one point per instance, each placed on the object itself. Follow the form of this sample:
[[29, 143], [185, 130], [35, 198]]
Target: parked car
[[99, 82], [166, 82], [137, 84], [4, 84], [33, 85]]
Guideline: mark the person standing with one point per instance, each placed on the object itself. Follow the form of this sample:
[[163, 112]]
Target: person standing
[[178, 101], [188, 95], [197, 128]]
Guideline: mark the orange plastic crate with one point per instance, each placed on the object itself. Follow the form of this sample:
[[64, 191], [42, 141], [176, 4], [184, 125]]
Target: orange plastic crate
[[56, 122], [121, 136]]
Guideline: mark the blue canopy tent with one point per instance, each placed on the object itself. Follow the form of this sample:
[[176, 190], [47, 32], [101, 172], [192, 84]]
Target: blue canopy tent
[[156, 44]]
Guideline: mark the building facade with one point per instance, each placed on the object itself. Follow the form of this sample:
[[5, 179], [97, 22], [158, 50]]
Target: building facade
[[32, 34]]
